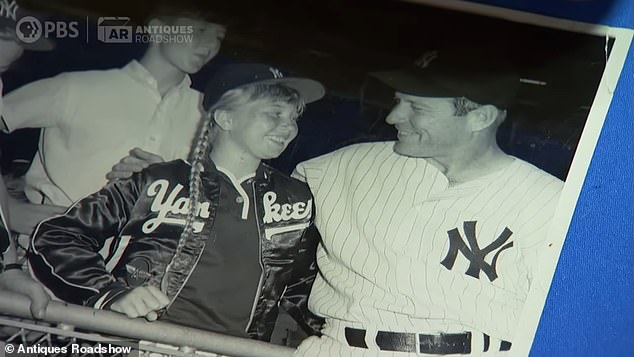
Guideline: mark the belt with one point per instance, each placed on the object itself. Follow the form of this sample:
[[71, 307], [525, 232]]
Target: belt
[[444, 343]]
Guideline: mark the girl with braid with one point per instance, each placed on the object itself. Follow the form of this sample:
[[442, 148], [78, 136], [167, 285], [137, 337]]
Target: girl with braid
[[219, 243]]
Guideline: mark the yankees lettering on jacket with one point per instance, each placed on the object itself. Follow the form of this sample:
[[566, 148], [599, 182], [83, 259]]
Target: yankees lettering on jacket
[[172, 209], [275, 212], [168, 205]]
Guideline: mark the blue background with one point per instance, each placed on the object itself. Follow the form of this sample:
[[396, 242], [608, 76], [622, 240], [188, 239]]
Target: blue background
[[589, 308]]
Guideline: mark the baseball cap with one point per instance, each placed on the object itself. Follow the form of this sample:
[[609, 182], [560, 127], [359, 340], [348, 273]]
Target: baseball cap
[[15, 17], [482, 76], [238, 75]]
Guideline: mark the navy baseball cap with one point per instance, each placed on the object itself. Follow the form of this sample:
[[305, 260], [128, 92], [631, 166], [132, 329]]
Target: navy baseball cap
[[479, 75], [19, 21], [238, 75]]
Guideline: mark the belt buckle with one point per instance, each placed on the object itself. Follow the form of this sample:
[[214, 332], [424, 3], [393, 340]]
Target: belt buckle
[[442, 341], [418, 345], [436, 339]]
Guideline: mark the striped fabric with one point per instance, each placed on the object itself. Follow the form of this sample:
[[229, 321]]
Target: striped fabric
[[405, 251]]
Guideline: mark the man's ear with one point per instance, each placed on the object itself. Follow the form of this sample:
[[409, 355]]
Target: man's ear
[[223, 119], [483, 117]]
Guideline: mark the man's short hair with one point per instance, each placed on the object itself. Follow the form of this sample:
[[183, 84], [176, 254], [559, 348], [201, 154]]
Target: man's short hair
[[464, 106]]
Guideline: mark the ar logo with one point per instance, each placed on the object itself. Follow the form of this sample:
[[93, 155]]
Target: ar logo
[[473, 253]]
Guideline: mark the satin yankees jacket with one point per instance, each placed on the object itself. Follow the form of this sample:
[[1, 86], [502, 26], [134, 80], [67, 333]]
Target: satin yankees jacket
[[126, 235]]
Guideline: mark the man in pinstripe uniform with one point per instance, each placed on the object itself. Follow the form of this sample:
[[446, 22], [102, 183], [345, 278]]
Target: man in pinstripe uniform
[[430, 242]]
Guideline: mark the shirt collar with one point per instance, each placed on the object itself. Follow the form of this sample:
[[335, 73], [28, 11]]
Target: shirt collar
[[136, 70], [260, 172]]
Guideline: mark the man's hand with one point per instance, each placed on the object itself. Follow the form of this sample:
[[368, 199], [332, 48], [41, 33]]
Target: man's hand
[[19, 282], [141, 301], [137, 160], [25, 216]]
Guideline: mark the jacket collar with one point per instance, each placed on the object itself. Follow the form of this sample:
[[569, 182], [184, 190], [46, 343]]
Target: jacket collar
[[262, 173]]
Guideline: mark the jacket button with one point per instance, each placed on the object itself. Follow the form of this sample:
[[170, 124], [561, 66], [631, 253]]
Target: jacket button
[[239, 199]]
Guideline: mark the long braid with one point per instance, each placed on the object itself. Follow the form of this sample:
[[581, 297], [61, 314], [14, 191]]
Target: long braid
[[179, 260], [189, 244]]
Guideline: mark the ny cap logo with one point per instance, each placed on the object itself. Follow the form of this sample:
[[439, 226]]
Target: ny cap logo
[[425, 59], [8, 9], [276, 72]]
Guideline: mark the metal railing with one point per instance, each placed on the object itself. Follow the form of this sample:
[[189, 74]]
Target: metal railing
[[65, 323]]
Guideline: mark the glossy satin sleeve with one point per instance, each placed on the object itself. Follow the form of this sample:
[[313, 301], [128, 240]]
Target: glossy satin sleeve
[[295, 299], [64, 252]]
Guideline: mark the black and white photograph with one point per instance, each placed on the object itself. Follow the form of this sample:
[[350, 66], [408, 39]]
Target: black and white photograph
[[289, 178]]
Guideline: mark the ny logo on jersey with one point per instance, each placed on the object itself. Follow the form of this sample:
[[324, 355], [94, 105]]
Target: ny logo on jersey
[[473, 253]]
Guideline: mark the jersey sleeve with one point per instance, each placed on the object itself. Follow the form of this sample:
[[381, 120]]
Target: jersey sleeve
[[313, 171], [538, 220], [307, 171]]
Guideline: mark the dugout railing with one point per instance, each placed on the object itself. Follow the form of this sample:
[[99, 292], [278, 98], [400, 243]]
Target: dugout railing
[[81, 331]]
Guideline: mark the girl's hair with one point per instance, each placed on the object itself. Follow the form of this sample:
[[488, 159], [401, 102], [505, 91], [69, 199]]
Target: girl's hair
[[229, 101]]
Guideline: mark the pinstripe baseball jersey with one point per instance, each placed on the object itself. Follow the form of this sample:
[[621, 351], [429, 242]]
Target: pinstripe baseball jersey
[[403, 250]]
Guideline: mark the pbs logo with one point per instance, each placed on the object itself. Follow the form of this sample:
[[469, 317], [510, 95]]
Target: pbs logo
[[28, 29]]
